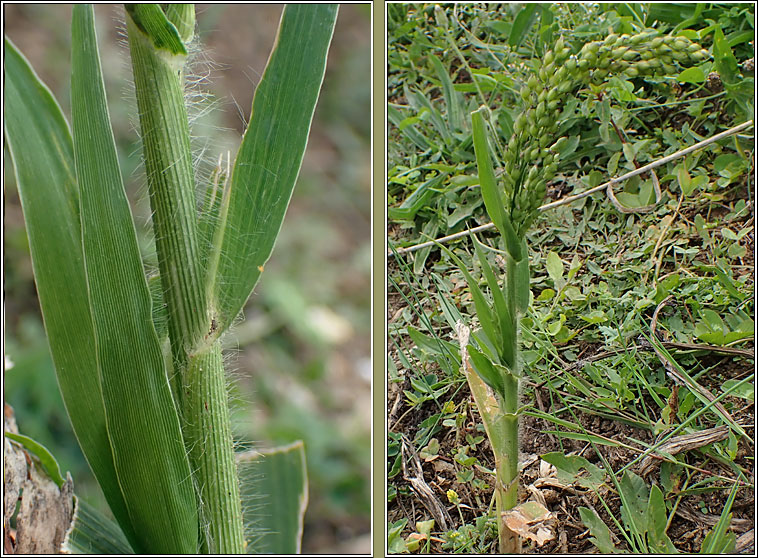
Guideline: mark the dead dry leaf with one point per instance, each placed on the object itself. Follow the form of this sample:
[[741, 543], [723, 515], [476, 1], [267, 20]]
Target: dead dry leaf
[[531, 520]]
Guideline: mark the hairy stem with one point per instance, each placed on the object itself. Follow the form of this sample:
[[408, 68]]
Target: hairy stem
[[209, 439], [158, 79], [158, 52], [506, 449]]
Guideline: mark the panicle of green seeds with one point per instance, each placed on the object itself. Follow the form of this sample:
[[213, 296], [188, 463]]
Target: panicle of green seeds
[[532, 155]]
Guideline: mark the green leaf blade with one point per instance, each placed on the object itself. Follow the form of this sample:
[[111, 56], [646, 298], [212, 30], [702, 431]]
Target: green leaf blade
[[656, 512], [454, 116], [490, 373], [493, 202], [47, 460], [522, 24], [142, 422], [601, 535], [93, 533], [503, 312], [484, 311], [41, 148], [151, 19], [274, 487], [271, 153]]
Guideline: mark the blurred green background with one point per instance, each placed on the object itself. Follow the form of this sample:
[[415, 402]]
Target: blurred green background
[[300, 360]]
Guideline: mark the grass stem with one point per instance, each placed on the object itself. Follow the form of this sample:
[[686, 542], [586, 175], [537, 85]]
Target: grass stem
[[209, 439]]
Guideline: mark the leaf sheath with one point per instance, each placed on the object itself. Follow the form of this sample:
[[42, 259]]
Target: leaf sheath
[[158, 78], [142, 422]]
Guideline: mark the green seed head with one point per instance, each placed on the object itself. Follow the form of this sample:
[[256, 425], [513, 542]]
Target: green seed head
[[530, 148], [559, 45], [681, 44], [599, 75], [520, 123], [682, 56], [562, 73], [618, 52]]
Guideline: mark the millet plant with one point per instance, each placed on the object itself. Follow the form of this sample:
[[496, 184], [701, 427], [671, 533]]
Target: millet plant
[[138, 359], [529, 161]]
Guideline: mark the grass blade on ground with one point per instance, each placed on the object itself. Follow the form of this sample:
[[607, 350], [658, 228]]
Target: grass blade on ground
[[718, 541], [454, 115], [658, 540], [702, 394], [601, 534]]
